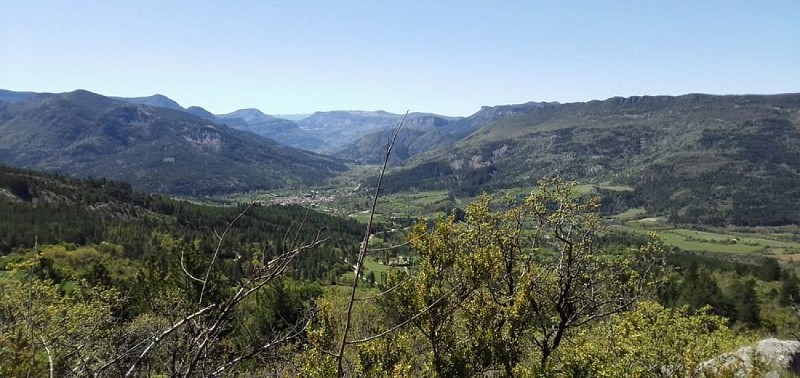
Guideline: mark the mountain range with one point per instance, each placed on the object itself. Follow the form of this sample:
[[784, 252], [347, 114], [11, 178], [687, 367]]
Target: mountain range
[[154, 148], [694, 158], [282, 130]]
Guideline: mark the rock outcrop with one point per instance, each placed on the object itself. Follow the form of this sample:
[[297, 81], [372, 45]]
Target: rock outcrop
[[767, 358]]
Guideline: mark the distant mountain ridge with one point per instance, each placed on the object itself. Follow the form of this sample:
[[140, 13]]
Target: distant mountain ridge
[[429, 132], [292, 117], [488, 114], [410, 142], [692, 158], [334, 132], [154, 100], [202, 113], [253, 120], [154, 148], [282, 130], [343, 129], [15, 97]]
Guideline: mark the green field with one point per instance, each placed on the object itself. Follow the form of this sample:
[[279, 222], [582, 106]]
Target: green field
[[428, 204], [371, 264], [630, 214], [719, 240]]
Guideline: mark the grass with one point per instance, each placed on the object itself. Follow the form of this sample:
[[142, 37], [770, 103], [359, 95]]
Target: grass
[[607, 185], [617, 188], [673, 238], [361, 217], [406, 205], [371, 264], [630, 214], [718, 240], [429, 204]]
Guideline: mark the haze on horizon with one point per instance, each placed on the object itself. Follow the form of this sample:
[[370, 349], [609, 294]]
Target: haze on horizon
[[445, 57]]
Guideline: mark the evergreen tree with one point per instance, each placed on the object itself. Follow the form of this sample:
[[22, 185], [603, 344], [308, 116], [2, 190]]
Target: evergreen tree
[[746, 303], [790, 290]]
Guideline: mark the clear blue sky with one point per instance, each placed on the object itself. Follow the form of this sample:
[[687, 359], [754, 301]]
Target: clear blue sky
[[447, 57]]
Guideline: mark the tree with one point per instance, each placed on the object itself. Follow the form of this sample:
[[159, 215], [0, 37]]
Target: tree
[[46, 332], [790, 290], [648, 341], [193, 333], [746, 303], [520, 276], [699, 288]]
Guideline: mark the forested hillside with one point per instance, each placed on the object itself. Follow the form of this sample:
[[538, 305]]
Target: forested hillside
[[116, 256], [694, 158], [53, 210], [147, 285], [153, 148]]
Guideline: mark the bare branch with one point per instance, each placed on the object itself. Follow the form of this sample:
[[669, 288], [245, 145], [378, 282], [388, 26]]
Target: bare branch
[[387, 291], [165, 333], [365, 247], [216, 251], [50, 364], [409, 320], [183, 266], [280, 264], [295, 332]]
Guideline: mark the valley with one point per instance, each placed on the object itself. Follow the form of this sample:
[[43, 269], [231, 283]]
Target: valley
[[718, 163], [185, 211], [521, 189]]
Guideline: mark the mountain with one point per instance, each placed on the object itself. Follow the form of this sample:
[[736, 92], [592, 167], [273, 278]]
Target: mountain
[[292, 117], [15, 97], [154, 100], [153, 148], [430, 132], [282, 130], [202, 113], [488, 114], [340, 129], [371, 148], [420, 133], [693, 158], [250, 116]]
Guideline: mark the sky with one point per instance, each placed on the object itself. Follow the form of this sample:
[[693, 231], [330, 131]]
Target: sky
[[445, 57]]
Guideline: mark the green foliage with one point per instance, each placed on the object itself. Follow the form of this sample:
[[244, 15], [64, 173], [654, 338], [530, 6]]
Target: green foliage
[[790, 290], [43, 328], [150, 248], [746, 303], [98, 212], [754, 293], [378, 357], [280, 306], [514, 280], [507, 287], [649, 341]]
